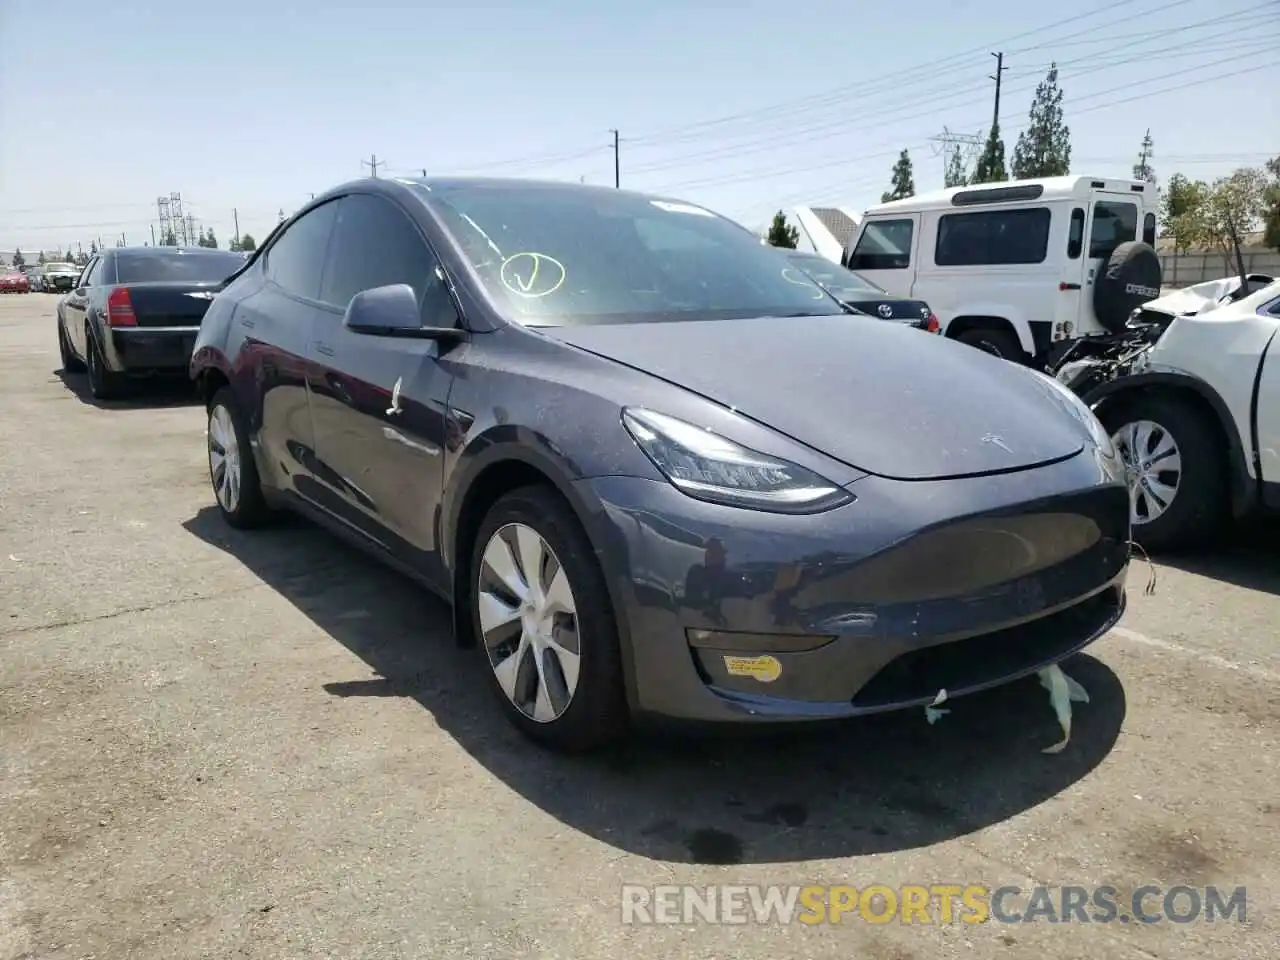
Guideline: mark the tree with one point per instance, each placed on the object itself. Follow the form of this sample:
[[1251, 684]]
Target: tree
[[990, 168], [1044, 148], [956, 175], [248, 244], [19, 260], [1184, 208], [1236, 203], [43, 258], [1271, 203], [170, 239], [1142, 170], [210, 240], [93, 248], [781, 233], [902, 184]]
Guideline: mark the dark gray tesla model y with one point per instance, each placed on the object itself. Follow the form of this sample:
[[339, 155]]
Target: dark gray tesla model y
[[655, 476]]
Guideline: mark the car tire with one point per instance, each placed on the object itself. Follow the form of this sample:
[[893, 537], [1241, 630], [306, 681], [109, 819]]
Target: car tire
[[104, 384], [1001, 343], [1198, 510], [233, 472], [569, 705], [70, 362]]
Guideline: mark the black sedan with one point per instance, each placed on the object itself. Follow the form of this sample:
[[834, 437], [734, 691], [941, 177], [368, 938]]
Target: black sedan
[[135, 311], [860, 294], [652, 475]]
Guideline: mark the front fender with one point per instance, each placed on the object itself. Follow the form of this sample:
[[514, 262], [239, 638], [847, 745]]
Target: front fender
[[1244, 488]]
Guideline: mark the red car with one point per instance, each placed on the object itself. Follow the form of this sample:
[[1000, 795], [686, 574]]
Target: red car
[[14, 281]]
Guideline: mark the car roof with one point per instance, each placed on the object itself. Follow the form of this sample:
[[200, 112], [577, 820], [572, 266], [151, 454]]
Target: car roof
[[445, 185], [163, 251]]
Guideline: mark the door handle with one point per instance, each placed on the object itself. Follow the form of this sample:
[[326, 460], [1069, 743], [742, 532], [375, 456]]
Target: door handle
[[246, 322], [324, 349]]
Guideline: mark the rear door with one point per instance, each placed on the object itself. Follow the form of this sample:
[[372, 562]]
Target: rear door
[[276, 323], [380, 403], [1268, 414], [75, 307], [885, 253], [1113, 220]]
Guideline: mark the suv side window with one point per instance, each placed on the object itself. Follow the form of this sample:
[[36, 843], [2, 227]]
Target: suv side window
[[1113, 224], [295, 260], [993, 237], [884, 245], [375, 244], [1149, 229]]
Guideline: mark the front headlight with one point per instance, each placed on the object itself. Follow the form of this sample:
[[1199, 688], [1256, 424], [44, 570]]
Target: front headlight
[[707, 466], [1080, 410]]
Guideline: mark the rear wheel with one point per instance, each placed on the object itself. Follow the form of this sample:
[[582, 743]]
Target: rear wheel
[[232, 469], [104, 384], [1000, 343], [70, 362], [541, 613]]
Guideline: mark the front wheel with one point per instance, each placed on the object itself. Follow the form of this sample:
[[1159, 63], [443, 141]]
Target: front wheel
[[1176, 467], [542, 617], [1000, 343]]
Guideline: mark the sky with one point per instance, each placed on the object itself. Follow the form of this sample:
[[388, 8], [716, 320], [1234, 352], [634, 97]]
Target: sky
[[245, 109]]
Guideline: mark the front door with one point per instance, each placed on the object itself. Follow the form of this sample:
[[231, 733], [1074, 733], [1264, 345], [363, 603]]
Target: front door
[[380, 403], [75, 307], [1268, 413]]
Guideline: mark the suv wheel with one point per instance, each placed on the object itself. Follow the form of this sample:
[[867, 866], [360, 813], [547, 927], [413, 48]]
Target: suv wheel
[[1001, 343]]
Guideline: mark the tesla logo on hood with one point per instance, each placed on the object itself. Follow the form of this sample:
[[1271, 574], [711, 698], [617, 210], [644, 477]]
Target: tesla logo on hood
[[202, 295], [885, 310], [998, 441]]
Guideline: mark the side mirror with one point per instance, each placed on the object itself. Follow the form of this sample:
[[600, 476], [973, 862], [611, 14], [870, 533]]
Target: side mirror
[[393, 311]]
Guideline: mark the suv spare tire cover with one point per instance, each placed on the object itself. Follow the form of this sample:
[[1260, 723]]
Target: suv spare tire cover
[[1130, 278]]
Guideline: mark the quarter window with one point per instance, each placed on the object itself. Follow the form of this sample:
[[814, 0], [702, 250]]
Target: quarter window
[[91, 273], [884, 245], [1113, 224], [992, 237], [1149, 229], [1075, 237], [375, 244], [295, 260]]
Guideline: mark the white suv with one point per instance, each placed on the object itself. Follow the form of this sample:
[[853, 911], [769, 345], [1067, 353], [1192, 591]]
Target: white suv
[[1007, 266]]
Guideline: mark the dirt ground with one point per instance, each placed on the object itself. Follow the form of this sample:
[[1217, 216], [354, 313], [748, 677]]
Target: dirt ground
[[264, 745]]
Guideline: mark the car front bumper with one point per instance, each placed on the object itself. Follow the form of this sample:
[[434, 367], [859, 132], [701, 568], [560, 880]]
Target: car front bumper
[[728, 615], [152, 349]]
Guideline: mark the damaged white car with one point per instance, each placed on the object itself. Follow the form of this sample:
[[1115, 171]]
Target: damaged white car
[[1191, 396]]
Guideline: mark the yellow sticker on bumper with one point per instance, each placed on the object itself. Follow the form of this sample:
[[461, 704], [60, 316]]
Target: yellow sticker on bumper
[[766, 669]]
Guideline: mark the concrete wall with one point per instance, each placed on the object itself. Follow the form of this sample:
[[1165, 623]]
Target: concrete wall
[[1181, 270]]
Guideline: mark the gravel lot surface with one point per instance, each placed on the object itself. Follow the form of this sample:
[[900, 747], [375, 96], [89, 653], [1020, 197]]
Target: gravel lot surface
[[225, 745]]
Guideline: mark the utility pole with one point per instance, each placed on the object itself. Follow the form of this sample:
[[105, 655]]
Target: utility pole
[[1000, 69], [235, 215], [617, 161], [424, 173], [373, 163], [153, 234]]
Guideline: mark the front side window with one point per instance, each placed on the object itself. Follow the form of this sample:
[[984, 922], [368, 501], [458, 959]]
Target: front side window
[[295, 260], [993, 237], [556, 256], [1113, 224], [1149, 229], [884, 245]]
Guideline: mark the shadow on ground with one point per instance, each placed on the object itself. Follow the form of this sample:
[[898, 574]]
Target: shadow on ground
[[1248, 556], [874, 785], [144, 394]]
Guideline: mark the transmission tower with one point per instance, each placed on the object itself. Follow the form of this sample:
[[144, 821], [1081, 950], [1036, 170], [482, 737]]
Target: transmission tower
[[166, 219], [191, 231], [966, 145], [179, 220]]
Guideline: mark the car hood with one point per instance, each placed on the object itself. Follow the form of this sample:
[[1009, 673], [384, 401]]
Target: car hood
[[877, 396]]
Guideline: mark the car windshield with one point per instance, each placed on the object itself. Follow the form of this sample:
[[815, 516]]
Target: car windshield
[[565, 256], [842, 282], [157, 265], [59, 268]]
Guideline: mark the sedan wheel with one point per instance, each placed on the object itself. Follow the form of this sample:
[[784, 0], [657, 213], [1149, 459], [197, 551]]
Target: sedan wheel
[[232, 469], [541, 613], [1152, 467], [224, 458], [1175, 464]]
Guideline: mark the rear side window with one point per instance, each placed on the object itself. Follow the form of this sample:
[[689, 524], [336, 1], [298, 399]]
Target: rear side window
[[295, 261], [992, 237], [1113, 224], [375, 244], [93, 275], [1149, 229], [1075, 236], [884, 245]]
